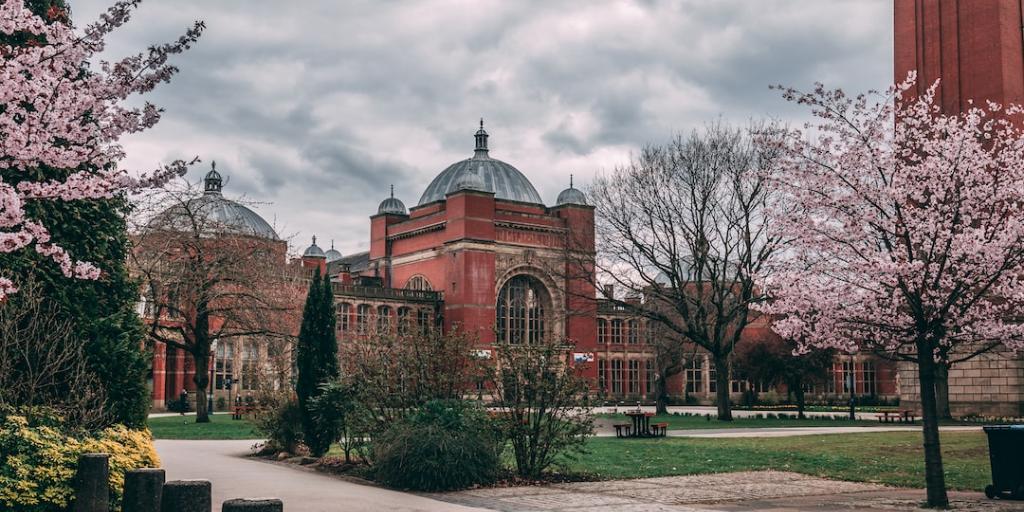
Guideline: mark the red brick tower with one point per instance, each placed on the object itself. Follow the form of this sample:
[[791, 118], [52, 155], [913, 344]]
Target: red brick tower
[[975, 47]]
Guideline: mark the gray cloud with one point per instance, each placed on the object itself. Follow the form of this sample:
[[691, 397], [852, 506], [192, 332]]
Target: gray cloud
[[315, 108]]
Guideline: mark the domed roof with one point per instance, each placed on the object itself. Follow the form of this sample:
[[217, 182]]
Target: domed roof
[[332, 254], [505, 181], [221, 214], [392, 205], [571, 196], [314, 251]]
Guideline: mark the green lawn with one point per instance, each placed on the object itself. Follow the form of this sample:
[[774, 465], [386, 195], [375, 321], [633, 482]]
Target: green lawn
[[221, 426], [680, 422], [894, 458]]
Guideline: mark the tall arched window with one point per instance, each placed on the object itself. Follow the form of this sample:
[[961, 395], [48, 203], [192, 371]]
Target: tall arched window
[[404, 320], [521, 310], [344, 310], [383, 319], [362, 318]]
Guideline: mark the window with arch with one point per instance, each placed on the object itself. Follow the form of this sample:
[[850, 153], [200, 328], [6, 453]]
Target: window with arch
[[418, 283], [616, 331], [404, 320], [343, 310], [362, 318], [424, 320], [633, 332], [521, 310], [383, 319]]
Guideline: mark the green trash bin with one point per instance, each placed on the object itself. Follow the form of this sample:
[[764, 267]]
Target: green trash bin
[[1006, 453]]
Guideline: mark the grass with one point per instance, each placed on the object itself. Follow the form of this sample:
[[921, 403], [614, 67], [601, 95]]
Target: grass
[[221, 426], [894, 458], [693, 422]]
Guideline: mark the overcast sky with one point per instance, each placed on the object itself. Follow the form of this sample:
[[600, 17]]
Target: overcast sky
[[314, 108]]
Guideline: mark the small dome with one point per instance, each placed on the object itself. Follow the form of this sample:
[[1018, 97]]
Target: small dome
[[392, 205], [571, 196], [499, 177], [470, 180], [215, 213], [332, 254], [314, 251]]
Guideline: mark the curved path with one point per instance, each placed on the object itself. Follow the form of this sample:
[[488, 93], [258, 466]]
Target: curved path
[[232, 475]]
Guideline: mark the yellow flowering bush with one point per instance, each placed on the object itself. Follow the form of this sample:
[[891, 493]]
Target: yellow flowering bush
[[38, 461]]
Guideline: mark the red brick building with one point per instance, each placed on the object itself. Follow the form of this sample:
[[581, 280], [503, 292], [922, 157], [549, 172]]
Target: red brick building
[[976, 50]]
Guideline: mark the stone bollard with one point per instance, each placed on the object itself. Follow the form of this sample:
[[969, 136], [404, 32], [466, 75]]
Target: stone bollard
[[187, 496], [143, 490], [92, 483], [253, 505]]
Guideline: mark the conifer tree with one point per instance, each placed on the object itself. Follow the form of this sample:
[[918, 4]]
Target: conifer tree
[[316, 360]]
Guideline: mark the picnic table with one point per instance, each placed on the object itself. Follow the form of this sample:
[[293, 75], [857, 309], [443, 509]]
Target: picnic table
[[641, 426], [895, 415]]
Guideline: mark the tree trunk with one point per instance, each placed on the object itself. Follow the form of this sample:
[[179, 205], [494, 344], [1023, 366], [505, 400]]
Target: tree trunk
[[797, 387], [942, 391], [661, 394], [935, 479], [722, 387], [202, 380]]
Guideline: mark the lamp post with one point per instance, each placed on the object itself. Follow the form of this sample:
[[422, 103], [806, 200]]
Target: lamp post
[[851, 383], [213, 366]]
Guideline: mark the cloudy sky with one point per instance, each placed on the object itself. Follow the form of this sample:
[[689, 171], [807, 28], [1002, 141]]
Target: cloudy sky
[[313, 109]]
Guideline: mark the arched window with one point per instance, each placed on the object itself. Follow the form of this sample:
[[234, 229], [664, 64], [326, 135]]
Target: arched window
[[418, 283], [362, 318], [404, 320], [344, 309], [521, 310], [424, 320], [383, 319]]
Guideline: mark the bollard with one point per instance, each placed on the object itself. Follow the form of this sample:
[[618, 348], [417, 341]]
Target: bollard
[[92, 487], [187, 496], [143, 490], [253, 505]]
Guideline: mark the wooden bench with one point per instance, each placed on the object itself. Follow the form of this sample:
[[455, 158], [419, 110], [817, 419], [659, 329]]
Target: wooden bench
[[891, 416], [241, 410], [622, 429], [659, 429]]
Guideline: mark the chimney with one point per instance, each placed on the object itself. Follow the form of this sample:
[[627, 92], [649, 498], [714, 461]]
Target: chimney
[[609, 291]]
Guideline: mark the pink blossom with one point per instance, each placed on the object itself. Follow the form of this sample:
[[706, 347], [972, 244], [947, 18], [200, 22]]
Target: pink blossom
[[59, 114]]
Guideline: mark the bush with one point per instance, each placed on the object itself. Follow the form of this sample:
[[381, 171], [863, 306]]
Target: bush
[[445, 445], [280, 422], [38, 459]]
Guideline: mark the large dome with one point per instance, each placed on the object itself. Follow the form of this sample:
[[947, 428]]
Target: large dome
[[499, 177], [218, 213]]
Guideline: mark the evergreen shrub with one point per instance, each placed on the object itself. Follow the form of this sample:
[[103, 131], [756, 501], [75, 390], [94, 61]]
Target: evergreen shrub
[[445, 445]]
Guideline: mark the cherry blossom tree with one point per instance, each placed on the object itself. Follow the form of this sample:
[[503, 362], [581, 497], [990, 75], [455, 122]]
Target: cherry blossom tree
[[60, 121], [908, 234]]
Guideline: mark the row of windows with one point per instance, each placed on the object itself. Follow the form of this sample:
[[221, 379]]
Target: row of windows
[[381, 319], [242, 366], [613, 331], [633, 376]]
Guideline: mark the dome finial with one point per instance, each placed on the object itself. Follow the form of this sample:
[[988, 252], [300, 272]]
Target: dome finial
[[392, 191], [481, 141], [212, 183], [570, 181], [314, 239]]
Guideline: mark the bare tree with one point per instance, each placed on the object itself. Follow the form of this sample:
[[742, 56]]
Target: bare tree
[[43, 363], [681, 224], [209, 275]]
